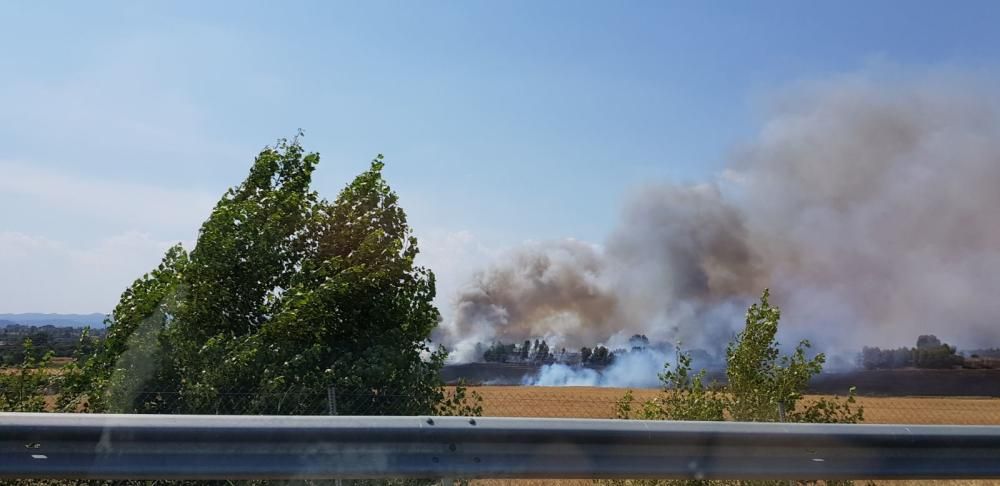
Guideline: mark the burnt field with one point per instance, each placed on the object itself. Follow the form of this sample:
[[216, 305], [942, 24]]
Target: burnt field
[[905, 382], [911, 382]]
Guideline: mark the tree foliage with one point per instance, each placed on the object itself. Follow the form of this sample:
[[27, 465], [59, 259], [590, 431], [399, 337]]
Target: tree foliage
[[283, 292], [765, 385]]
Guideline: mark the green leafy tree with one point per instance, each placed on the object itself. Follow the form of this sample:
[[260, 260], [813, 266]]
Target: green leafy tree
[[359, 313], [284, 295], [763, 385], [129, 359], [248, 250]]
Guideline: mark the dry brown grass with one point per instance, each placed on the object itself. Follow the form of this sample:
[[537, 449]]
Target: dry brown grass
[[47, 370], [587, 402], [54, 367]]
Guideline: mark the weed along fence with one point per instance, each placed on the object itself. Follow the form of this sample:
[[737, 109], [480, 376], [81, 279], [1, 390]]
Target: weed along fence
[[97, 446]]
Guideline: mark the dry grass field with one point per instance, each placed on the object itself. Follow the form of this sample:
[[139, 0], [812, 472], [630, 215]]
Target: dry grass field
[[587, 402], [55, 366]]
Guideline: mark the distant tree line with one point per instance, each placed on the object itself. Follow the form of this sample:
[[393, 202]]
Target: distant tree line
[[930, 352], [62, 342], [538, 351], [985, 353], [599, 356]]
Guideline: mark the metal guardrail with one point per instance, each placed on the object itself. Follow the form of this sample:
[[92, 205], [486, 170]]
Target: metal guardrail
[[93, 446]]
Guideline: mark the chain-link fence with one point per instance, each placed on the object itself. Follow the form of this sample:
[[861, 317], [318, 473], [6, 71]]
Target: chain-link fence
[[527, 401], [330, 401], [572, 402]]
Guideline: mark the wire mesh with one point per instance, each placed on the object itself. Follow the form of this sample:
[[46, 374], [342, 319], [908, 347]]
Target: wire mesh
[[527, 401]]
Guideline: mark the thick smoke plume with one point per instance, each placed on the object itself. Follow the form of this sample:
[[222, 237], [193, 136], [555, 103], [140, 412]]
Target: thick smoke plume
[[869, 208]]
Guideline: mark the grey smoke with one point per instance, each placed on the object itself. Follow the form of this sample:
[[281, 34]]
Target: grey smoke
[[868, 206], [549, 290]]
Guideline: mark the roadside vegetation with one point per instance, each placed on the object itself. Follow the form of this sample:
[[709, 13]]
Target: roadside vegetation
[[285, 293], [763, 385]]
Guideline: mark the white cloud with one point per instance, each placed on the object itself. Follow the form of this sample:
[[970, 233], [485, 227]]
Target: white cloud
[[117, 205], [45, 275], [71, 243]]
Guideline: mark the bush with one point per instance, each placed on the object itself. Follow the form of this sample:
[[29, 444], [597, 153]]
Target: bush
[[763, 386], [23, 387]]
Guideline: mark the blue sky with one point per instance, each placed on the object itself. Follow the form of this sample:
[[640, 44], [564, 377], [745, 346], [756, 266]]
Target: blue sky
[[501, 121]]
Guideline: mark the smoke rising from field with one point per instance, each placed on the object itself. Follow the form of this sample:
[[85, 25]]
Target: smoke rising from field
[[637, 369], [868, 207]]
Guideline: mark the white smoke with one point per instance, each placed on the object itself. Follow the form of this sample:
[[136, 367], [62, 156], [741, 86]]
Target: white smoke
[[635, 369], [865, 204]]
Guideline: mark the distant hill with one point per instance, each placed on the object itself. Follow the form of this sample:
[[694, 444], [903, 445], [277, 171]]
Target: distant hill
[[60, 320]]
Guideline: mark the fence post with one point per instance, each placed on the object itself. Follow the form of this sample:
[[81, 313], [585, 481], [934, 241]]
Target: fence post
[[331, 400], [331, 403], [781, 418]]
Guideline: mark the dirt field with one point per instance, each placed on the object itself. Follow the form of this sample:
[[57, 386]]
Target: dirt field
[[586, 402]]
